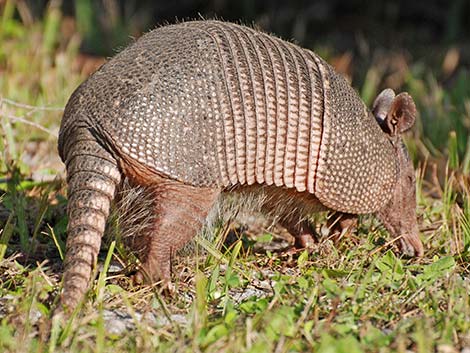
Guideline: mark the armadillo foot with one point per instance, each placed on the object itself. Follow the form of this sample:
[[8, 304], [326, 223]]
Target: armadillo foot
[[304, 241], [341, 225], [304, 234], [410, 245], [141, 277], [138, 278]]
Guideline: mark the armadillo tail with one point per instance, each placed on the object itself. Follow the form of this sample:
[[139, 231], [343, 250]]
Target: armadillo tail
[[92, 175]]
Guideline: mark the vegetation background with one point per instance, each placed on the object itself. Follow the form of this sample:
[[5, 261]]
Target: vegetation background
[[247, 296]]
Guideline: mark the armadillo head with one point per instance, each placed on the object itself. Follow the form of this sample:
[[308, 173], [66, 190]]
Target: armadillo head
[[395, 115]]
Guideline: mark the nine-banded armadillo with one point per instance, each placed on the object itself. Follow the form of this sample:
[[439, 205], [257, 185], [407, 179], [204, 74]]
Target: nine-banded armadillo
[[200, 108]]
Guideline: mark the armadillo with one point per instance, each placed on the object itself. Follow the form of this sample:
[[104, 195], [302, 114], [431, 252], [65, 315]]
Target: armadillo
[[202, 108]]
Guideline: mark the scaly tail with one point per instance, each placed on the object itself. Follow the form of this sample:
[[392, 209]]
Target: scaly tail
[[92, 176]]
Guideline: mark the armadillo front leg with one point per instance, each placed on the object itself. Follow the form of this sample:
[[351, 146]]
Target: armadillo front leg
[[292, 210], [341, 225], [180, 213], [92, 175], [303, 232]]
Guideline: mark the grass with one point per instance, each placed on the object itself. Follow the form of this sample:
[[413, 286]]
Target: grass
[[359, 297]]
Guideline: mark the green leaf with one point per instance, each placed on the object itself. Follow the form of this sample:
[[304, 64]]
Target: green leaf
[[390, 266], [254, 306], [282, 322], [330, 344], [232, 280], [331, 287], [376, 338], [303, 282], [437, 269], [230, 317], [265, 238], [302, 259], [214, 334]]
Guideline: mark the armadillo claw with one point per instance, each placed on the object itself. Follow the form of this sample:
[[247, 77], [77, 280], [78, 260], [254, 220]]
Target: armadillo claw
[[137, 279], [304, 241], [141, 278], [411, 245]]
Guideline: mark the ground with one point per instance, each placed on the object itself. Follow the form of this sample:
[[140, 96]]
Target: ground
[[250, 296]]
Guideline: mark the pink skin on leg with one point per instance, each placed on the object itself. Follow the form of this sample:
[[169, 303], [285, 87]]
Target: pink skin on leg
[[180, 213]]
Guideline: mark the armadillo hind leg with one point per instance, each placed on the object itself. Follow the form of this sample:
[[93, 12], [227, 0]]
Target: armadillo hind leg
[[180, 212], [92, 175]]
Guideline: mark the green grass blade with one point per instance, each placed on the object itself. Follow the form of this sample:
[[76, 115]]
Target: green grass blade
[[6, 233]]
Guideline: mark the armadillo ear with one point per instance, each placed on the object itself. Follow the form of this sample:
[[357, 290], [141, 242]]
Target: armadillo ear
[[401, 116], [382, 105]]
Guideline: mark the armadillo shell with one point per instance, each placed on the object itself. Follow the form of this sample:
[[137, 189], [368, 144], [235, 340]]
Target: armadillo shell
[[216, 104]]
